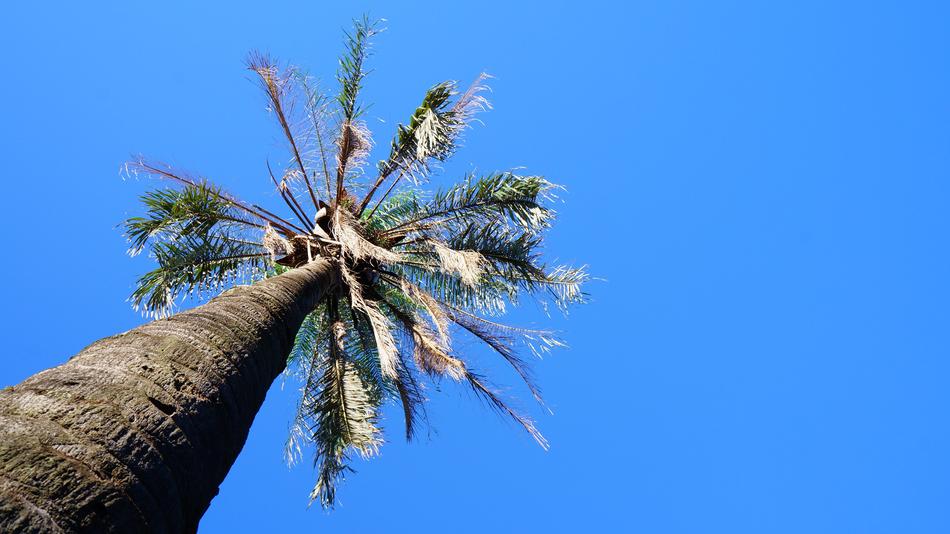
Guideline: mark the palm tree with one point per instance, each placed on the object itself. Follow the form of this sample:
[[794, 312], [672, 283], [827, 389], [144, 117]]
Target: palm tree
[[360, 291]]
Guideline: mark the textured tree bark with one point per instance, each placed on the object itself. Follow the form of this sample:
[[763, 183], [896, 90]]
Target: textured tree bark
[[136, 432]]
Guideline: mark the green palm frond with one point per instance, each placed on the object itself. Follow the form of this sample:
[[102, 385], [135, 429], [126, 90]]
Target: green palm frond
[[199, 240], [481, 387], [309, 336], [508, 197], [353, 142], [490, 297], [352, 68], [502, 344], [193, 264], [564, 284], [416, 273], [404, 386], [175, 213], [539, 342], [309, 349], [514, 256], [432, 135], [339, 400], [346, 420], [411, 397], [393, 210], [429, 134]]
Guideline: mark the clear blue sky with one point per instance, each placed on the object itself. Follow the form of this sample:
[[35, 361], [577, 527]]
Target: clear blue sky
[[763, 185]]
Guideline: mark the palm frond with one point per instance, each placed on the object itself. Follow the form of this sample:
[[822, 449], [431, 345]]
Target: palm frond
[[481, 387], [278, 86], [432, 307], [140, 165], [411, 397], [429, 134], [311, 333], [194, 264], [431, 356], [471, 101], [318, 112], [432, 134], [353, 148], [499, 337], [310, 346], [499, 342], [382, 331], [355, 244], [497, 197], [403, 386], [489, 296], [539, 342], [283, 188], [393, 211], [503, 248], [275, 244], [352, 69], [353, 141], [175, 213], [435, 360], [467, 264], [514, 255], [340, 408], [346, 421], [361, 349]]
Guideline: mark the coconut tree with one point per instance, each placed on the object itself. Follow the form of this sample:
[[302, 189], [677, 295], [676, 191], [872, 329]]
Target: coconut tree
[[359, 285]]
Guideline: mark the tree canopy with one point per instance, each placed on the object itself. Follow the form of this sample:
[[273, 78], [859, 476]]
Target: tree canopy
[[417, 269]]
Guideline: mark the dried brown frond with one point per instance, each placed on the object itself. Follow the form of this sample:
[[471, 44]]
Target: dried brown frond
[[277, 85], [467, 264], [471, 101], [287, 195], [432, 357], [432, 307], [429, 355], [318, 112], [357, 247], [275, 244], [354, 144]]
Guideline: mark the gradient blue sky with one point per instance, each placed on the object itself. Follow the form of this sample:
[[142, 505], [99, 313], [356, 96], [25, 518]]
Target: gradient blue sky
[[763, 185]]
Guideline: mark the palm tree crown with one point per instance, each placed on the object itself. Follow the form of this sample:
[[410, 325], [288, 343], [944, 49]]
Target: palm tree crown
[[414, 268]]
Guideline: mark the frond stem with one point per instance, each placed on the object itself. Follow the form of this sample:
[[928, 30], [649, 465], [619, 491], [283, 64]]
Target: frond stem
[[381, 199], [288, 196]]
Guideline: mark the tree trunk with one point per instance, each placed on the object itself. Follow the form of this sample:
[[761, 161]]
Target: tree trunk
[[136, 432]]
